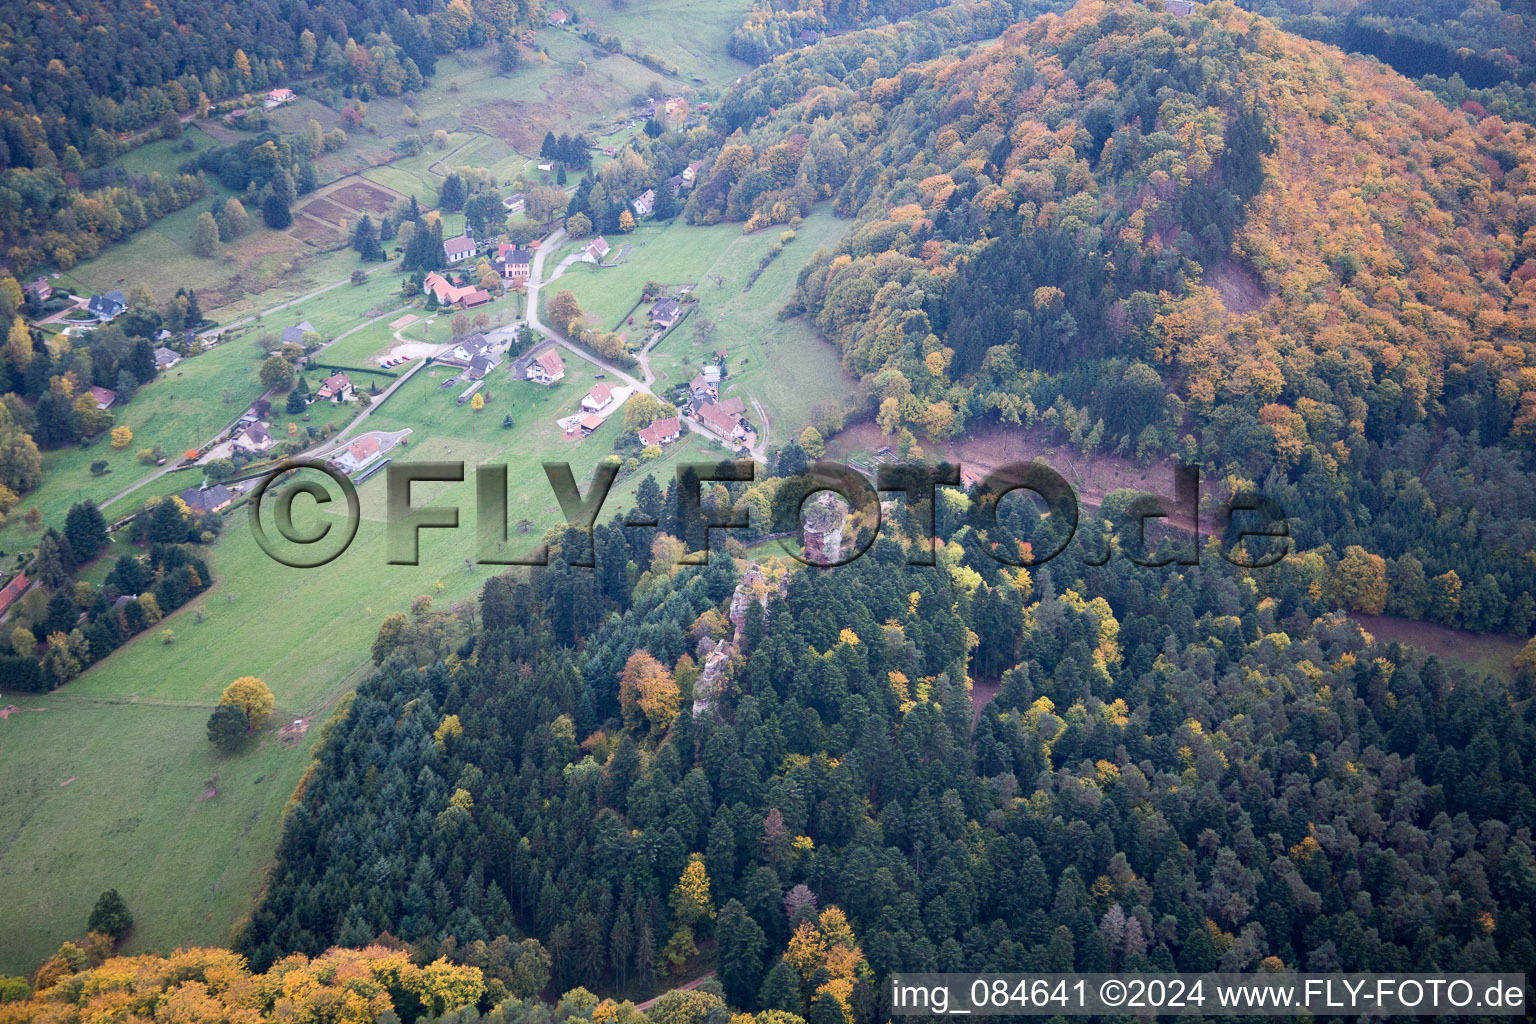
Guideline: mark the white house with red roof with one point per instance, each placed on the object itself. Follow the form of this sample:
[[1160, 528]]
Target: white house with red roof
[[598, 399], [547, 367], [661, 432]]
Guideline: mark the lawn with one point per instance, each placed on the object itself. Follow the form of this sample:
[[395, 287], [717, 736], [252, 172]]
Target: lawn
[[782, 363], [179, 409], [131, 729]]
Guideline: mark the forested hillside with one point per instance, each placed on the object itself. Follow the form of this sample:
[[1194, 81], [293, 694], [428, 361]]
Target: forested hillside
[[1482, 53], [77, 77], [1186, 769], [1192, 237]]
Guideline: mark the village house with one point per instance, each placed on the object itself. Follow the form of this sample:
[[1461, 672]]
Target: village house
[[40, 290], [254, 439], [515, 202], [666, 312], [596, 250], [559, 17], [104, 397], [724, 419], [661, 432], [481, 365], [546, 368], [359, 454], [450, 294], [513, 263], [277, 97], [166, 358], [335, 388], [702, 389], [645, 204], [690, 173], [1181, 8], [107, 307], [13, 590], [202, 500], [589, 423], [467, 350], [670, 112], [457, 250], [598, 399], [294, 335]]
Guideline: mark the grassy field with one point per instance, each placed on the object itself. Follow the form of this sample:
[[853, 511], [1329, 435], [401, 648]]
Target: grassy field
[[106, 793], [131, 729], [180, 409], [689, 33], [782, 363], [165, 155]]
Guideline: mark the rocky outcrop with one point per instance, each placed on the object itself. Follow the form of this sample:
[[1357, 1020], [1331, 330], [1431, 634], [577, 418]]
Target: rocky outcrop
[[756, 586]]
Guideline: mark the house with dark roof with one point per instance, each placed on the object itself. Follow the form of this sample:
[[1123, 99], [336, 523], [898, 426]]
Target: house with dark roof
[[546, 367], [107, 307], [513, 263], [457, 250], [294, 334], [467, 349], [104, 397], [481, 365], [701, 389], [666, 312], [166, 358], [203, 500], [661, 432]]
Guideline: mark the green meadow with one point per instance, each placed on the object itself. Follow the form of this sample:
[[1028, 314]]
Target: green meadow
[[784, 364], [131, 730]]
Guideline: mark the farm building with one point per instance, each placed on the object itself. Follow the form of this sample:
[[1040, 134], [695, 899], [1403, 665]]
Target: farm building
[[661, 431], [202, 500]]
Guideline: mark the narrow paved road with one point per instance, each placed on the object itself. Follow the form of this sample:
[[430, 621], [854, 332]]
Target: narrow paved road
[[536, 282], [173, 466]]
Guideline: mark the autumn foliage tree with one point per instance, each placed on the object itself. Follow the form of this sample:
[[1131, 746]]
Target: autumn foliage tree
[[647, 689], [251, 696]]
